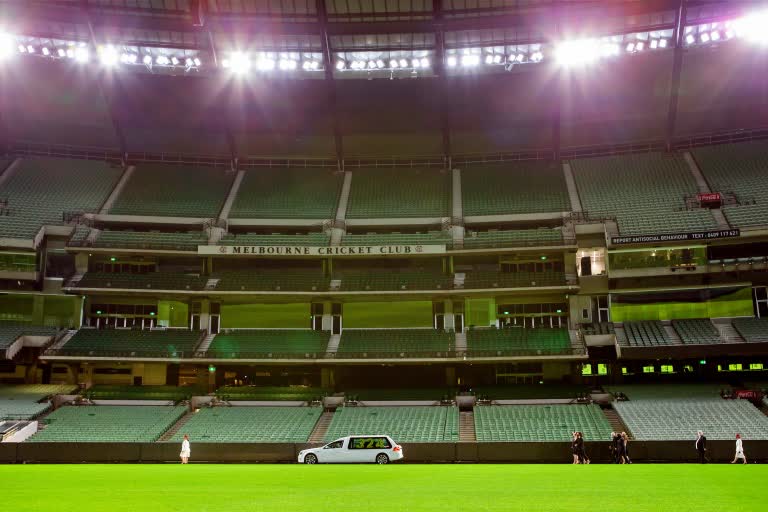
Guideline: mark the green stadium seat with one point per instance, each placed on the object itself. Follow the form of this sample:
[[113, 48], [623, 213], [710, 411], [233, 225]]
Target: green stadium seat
[[738, 169], [269, 343], [372, 280], [645, 192], [271, 393], [517, 341], [429, 424], [521, 279], [108, 424], [395, 343], [513, 238], [697, 331], [79, 185], [25, 401], [11, 331], [304, 239], [428, 238], [393, 193], [169, 241], [251, 425], [148, 281], [132, 343], [753, 330], [116, 392], [513, 188], [288, 279], [174, 191], [680, 419], [538, 423], [645, 333], [287, 194]]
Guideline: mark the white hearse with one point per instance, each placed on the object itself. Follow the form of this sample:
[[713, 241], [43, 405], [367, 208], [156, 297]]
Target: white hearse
[[380, 449]]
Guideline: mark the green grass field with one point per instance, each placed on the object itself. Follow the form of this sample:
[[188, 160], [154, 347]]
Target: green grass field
[[441, 488]]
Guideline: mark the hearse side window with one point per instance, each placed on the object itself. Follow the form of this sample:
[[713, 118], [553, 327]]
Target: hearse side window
[[368, 443], [336, 444]]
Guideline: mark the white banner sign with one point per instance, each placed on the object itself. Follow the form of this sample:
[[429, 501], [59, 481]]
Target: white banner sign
[[346, 250]]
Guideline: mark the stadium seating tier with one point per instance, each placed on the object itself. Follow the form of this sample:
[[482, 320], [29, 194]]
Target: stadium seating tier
[[540, 423], [403, 424], [132, 343], [269, 343], [393, 193]]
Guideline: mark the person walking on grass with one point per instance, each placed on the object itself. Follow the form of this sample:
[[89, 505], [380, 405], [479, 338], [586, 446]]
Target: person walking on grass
[[701, 447], [739, 451], [575, 447], [625, 444], [582, 452], [185, 450]]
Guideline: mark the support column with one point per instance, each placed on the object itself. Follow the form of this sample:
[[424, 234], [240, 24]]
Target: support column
[[677, 66], [449, 319], [450, 376], [327, 316], [38, 310], [327, 378], [205, 314]]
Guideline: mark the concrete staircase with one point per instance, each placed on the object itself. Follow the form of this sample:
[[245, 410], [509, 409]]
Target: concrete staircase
[[176, 427], [467, 427], [205, 344], [333, 343], [617, 425], [321, 427], [461, 342], [63, 340], [729, 334], [672, 333]]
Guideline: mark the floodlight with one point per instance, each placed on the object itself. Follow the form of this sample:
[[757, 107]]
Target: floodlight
[[46, 51], [197, 61], [690, 39], [371, 64], [640, 46], [340, 65], [729, 34], [537, 57], [6, 46], [189, 63], [239, 62], [630, 47], [470, 60], [577, 53], [147, 60], [82, 55], [753, 27], [70, 53], [663, 43], [715, 36], [704, 37], [162, 60], [108, 55], [424, 62], [30, 49], [174, 61], [520, 57], [415, 63], [393, 64], [654, 44], [403, 63], [62, 52], [451, 61], [489, 59], [22, 48]]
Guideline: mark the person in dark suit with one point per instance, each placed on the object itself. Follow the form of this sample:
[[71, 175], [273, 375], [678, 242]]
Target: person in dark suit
[[701, 446], [582, 452], [575, 448], [615, 438]]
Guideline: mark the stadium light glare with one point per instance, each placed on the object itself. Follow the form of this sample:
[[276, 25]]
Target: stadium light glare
[[22, 48], [415, 63], [197, 61], [577, 53], [82, 55], [162, 60], [752, 27], [108, 56], [30, 49], [175, 61], [690, 39], [715, 36], [403, 63], [61, 52], [537, 57], [70, 53], [46, 51], [6, 46], [469, 61], [704, 37], [371, 64], [489, 59], [425, 62], [380, 64], [451, 61], [239, 62], [663, 43], [393, 64], [639, 46], [341, 65], [147, 60]]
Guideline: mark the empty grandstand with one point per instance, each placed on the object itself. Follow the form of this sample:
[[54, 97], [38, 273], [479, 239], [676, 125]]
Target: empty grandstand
[[395, 343], [405, 424], [399, 193], [492, 342], [258, 343], [540, 423], [251, 424], [109, 423], [127, 342], [513, 188], [160, 240], [646, 193], [79, 185], [174, 191]]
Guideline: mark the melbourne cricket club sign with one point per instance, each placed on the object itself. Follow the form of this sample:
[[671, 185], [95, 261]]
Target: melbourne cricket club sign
[[289, 250]]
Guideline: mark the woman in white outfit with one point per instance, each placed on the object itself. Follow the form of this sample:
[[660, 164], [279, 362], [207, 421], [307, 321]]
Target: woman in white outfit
[[739, 451], [185, 450]]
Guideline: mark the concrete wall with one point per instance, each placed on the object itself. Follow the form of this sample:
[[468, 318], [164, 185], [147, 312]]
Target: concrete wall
[[554, 452]]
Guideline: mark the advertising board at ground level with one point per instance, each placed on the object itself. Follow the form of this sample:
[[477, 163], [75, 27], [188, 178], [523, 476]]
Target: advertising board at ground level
[[286, 250], [675, 237]]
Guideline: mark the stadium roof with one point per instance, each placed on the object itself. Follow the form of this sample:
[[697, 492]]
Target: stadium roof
[[479, 86]]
